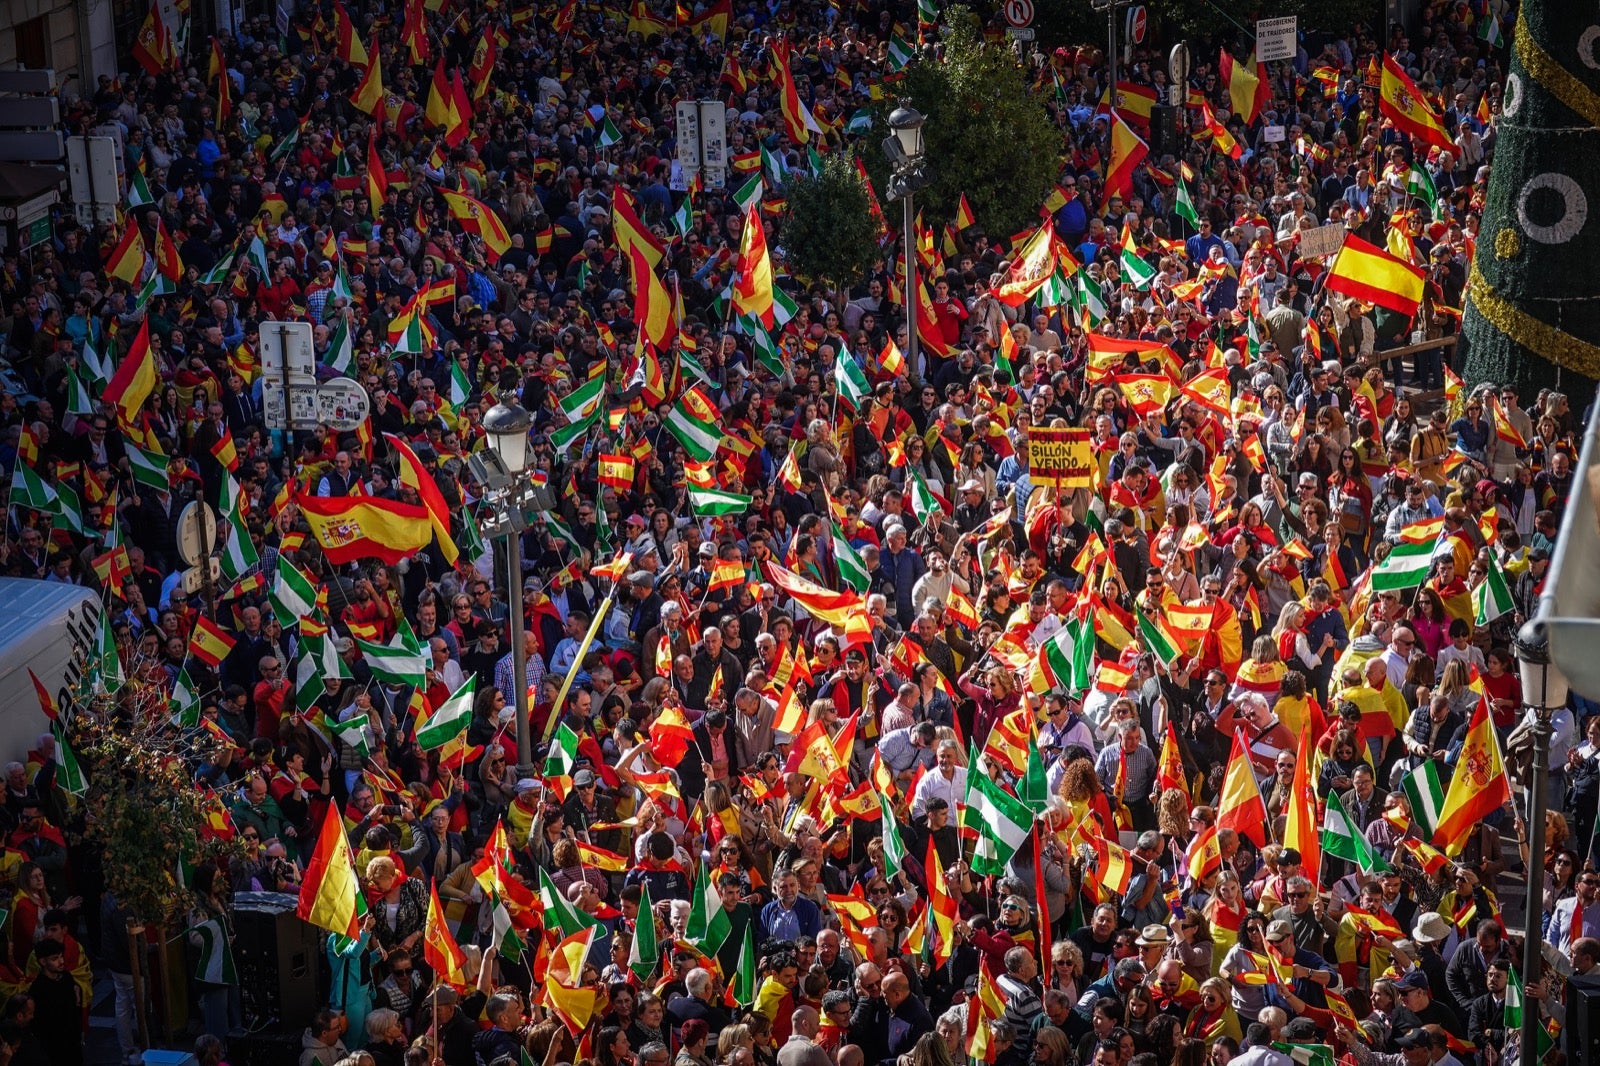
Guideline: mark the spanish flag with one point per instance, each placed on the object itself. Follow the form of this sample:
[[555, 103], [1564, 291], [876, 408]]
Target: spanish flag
[[330, 895], [477, 217], [652, 304], [752, 293], [416, 476], [1478, 788], [964, 215], [154, 49], [210, 643], [167, 261], [1373, 276], [1128, 150], [439, 948], [601, 859], [1401, 102], [1240, 806], [126, 260], [347, 46], [617, 471], [351, 528], [368, 96], [440, 110], [1243, 84], [224, 451], [135, 378]]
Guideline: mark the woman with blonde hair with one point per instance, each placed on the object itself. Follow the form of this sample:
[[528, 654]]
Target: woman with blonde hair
[[1213, 1017], [1224, 912]]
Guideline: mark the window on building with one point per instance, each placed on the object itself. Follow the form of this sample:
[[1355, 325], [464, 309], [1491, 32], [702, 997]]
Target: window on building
[[33, 43]]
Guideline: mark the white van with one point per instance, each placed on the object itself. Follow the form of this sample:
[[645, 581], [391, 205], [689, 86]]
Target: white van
[[52, 629]]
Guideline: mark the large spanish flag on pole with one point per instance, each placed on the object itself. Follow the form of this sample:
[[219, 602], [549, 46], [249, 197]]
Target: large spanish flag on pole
[[330, 896], [135, 378], [1373, 276], [1240, 807], [1242, 84], [832, 607], [351, 528], [1401, 102], [1127, 152], [1479, 787], [414, 474], [752, 293]]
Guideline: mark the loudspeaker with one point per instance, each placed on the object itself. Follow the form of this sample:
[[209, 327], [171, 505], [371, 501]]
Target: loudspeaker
[[1583, 1023], [279, 958]]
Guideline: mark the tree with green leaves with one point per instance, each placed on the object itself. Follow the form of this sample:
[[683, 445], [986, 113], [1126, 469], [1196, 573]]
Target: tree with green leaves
[[987, 133], [828, 229]]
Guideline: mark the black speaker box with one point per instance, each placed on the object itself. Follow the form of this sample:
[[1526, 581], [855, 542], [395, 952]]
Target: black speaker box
[[280, 962]]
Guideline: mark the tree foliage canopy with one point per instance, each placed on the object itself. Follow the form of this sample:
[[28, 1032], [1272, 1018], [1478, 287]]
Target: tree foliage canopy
[[828, 230], [987, 134]]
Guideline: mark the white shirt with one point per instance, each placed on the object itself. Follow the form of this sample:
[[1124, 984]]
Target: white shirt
[[934, 785]]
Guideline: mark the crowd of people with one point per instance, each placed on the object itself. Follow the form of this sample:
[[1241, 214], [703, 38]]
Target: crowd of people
[[771, 736]]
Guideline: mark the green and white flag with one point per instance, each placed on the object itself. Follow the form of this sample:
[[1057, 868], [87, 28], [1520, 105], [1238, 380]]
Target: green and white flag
[[783, 308], [683, 218], [567, 917], [1183, 207], [900, 52], [1406, 567], [239, 553], [219, 273], [341, 282], [708, 502], [709, 925], [79, 402], [860, 122], [562, 758], [1056, 291], [1091, 299], [894, 848], [928, 11], [395, 663], [1419, 183], [69, 510], [767, 353], [745, 981], [341, 354], [353, 734], [773, 165], [412, 341], [215, 965], [107, 665], [69, 775], [565, 436], [609, 134], [924, 504], [1492, 598], [99, 369], [451, 719], [749, 194], [1426, 793], [138, 188], [852, 571], [293, 594], [1003, 823], [507, 941], [1157, 640], [29, 490], [149, 467], [561, 531], [256, 253], [1343, 838], [853, 385], [583, 401], [1306, 1054], [1489, 32], [460, 384], [699, 437], [644, 956], [1135, 270], [184, 701], [1034, 787]]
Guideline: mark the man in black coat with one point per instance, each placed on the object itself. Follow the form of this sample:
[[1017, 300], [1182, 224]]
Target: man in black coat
[[1486, 1015], [698, 1003]]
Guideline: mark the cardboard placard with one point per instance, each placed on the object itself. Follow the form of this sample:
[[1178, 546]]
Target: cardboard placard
[[1059, 458]]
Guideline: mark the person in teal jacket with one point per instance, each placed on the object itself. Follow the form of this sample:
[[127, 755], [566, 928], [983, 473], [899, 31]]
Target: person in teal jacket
[[351, 963]]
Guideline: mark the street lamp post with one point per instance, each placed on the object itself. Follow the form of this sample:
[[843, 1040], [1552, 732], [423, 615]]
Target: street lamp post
[[905, 150], [502, 470], [1544, 688]]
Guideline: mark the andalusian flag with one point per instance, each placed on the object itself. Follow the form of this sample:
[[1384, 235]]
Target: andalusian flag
[[709, 924], [1492, 598], [1002, 819], [239, 554], [1341, 837], [451, 719], [1425, 792], [705, 502], [1159, 638], [852, 571], [1183, 206], [644, 956], [854, 388], [293, 594], [695, 422]]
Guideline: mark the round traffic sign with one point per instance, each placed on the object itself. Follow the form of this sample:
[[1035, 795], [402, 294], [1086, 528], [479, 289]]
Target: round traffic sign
[[1019, 12], [342, 404], [1138, 23]]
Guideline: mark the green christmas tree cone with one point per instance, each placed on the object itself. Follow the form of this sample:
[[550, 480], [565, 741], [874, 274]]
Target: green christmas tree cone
[[1532, 310]]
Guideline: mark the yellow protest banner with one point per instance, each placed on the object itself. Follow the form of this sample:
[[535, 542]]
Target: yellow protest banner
[[1059, 458]]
